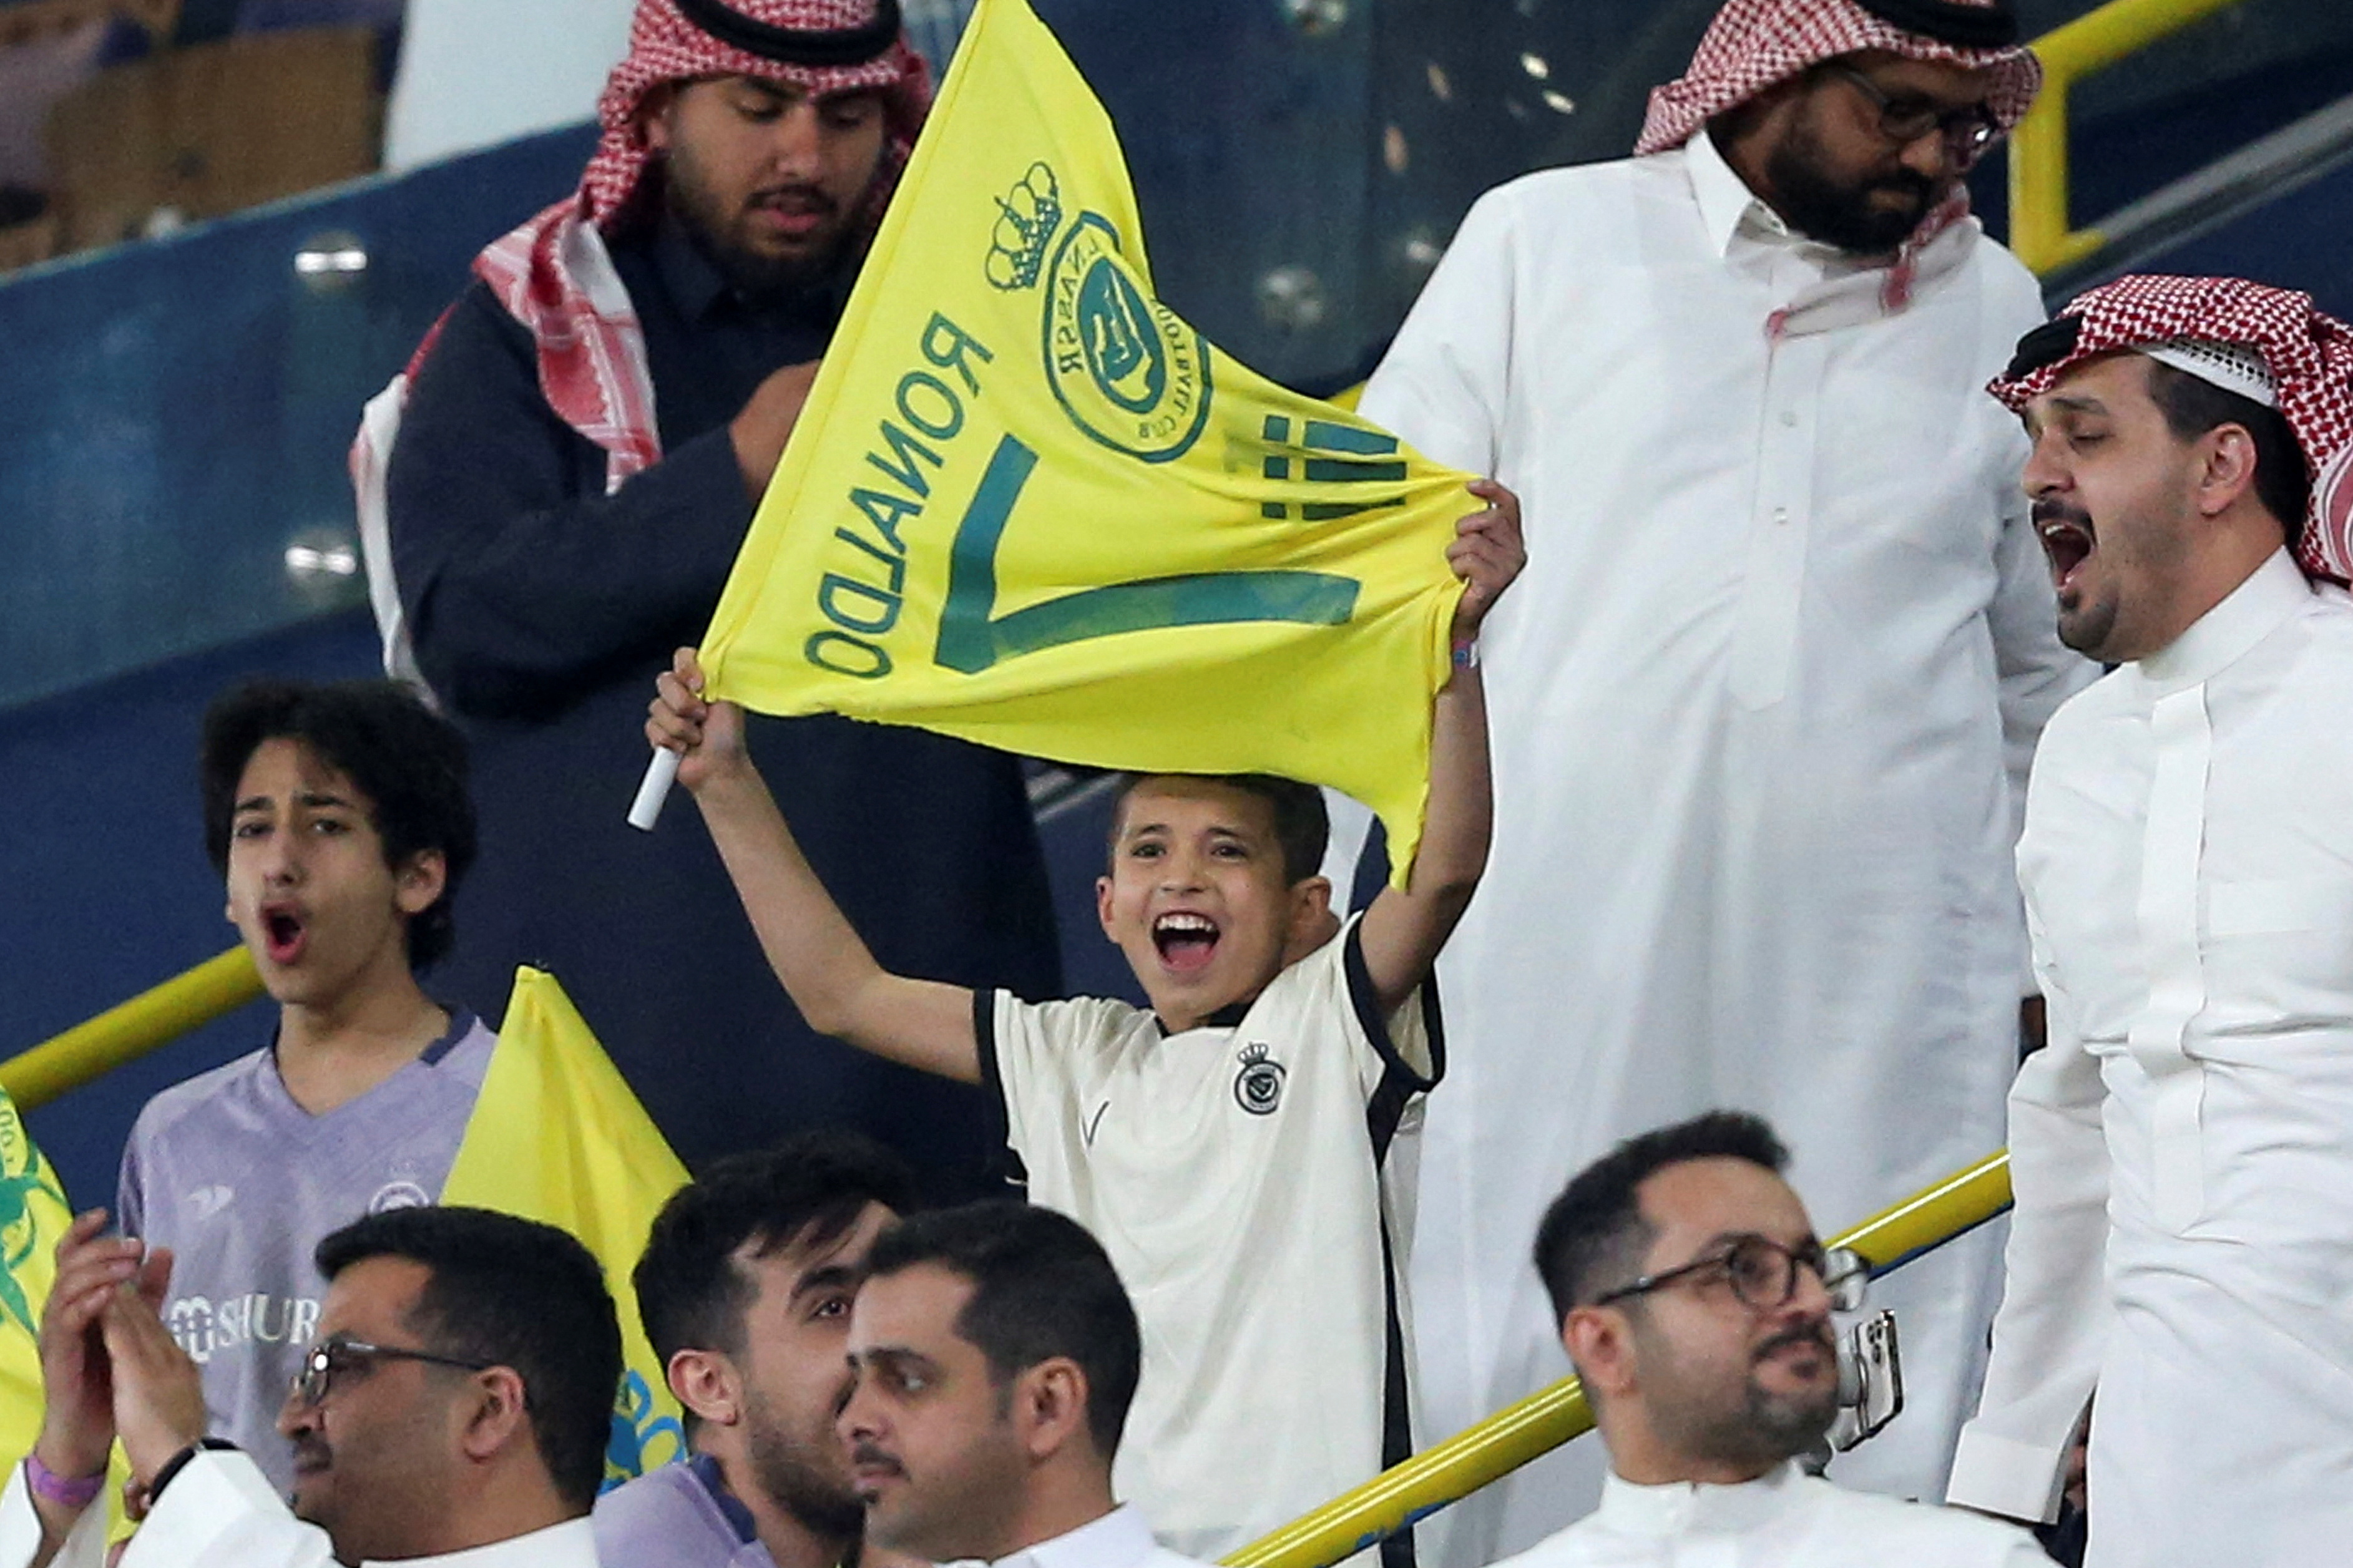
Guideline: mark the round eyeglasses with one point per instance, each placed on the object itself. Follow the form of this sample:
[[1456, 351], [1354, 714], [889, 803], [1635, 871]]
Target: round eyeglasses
[[1904, 118], [1764, 1274], [325, 1360]]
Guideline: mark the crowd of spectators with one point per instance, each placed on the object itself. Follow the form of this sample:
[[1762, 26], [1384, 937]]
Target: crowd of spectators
[[1807, 630]]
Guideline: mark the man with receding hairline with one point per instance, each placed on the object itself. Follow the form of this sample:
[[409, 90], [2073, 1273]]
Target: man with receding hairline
[[453, 1410], [2182, 1149], [1695, 1301]]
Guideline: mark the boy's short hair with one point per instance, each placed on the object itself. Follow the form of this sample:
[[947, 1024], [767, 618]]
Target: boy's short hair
[[514, 1293], [406, 759], [1302, 826], [1043, 1287], [1594, 1236], [805, 1192]]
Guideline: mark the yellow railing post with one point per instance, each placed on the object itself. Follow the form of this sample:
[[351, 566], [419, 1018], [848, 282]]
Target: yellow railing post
[[2040, 231], [1551, 1416], [126, 1033]]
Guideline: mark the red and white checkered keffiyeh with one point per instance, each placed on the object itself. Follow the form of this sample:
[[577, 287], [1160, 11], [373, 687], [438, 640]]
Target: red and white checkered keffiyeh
[[2309, 353], [554, 275], [1754, 44]]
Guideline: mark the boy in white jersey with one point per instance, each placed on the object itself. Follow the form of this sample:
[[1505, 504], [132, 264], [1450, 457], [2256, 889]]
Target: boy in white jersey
[[339, 819], [1226, 1145]]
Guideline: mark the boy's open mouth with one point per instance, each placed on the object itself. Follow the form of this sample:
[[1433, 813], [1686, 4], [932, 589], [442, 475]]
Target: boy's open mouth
[[1186, 941], [2068, 539], [282, 933]]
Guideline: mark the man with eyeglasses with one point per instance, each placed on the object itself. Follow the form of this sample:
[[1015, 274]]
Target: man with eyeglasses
[[455, 1407], [1695, 1301], [1765, 693]]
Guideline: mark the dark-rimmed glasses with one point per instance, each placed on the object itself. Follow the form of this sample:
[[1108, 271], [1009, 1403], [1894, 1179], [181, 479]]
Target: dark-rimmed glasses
[[323, 1362], [1764, 1274], [1905, 117]]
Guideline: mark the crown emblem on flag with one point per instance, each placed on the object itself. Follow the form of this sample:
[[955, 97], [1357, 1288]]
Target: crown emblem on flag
[[1029, 214]]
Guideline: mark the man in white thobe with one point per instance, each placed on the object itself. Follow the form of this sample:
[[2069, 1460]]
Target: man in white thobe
[[1695, 1301], [453, 1411], [2182, 1149], [996, 1354], [1766, 691]]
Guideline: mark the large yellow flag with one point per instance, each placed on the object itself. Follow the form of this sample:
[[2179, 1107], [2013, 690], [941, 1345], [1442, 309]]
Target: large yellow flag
[[558, 1137], [33, 1214], [1029, 506]]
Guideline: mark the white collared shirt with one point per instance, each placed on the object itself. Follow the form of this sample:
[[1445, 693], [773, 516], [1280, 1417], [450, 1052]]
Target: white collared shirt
[[2182, 1152], [1761, 705], [1120, 1538], [1781, 1518], [219, 1512]]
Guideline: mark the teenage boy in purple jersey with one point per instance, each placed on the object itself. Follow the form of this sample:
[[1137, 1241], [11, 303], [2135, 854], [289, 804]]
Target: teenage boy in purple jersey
[[339, 817]]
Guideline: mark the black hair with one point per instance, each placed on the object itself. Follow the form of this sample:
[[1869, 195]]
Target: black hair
[[2192, 405], [513, 1293], [1594, 1236], [804, 1192], [1043, 1287], [407, 760], [1302, 826]]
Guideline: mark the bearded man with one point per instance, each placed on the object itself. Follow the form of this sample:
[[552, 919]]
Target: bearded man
[[2183, 1148], [1768, 694], [552, 498]]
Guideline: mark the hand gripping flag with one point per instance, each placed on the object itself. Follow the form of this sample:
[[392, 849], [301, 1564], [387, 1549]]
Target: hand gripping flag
[[558, 1137], [1027, 505], [33, 1214]]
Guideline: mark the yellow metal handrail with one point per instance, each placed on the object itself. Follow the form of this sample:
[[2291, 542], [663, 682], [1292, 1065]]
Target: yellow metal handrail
[[152, 1018], [2039, 230], [1551, 1416]]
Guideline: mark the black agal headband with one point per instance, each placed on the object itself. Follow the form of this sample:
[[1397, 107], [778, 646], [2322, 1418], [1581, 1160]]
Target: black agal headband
[[1963, 26], [816, 47]]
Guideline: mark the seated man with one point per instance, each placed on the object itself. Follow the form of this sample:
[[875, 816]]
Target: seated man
[[458, 1400], [340, 819], [745, 1290], [1695, 1301], [996, 1354]]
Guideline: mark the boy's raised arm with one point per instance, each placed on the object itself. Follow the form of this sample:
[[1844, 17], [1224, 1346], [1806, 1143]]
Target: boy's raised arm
[[1403, 931], [823, 962]]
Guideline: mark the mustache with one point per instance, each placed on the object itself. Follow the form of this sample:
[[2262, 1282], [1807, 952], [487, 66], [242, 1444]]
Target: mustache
[[803, 195], [1815, 1335], [2055, 509], [867, 1456]]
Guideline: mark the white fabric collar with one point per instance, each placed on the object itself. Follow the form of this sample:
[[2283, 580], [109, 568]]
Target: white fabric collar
[[2227, 633], [1723, 197], [1118, 1539], [1693, 1508], [574, 1540]]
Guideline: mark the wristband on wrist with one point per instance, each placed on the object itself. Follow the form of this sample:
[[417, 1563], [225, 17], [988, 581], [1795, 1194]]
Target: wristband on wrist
[[68, 1491], [179, 1461], [1466, 654]]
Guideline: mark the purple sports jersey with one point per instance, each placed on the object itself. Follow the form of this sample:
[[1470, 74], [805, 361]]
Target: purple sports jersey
[[678, 1516], [241, 1183]]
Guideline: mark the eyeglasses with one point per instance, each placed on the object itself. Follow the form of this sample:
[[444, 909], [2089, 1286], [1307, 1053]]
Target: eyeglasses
[[1764, 1274], [327, 1360], [1904, 118]]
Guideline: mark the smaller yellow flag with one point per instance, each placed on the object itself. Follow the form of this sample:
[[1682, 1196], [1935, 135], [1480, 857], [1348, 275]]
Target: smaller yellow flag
[[33, 1214], [557, 1136]]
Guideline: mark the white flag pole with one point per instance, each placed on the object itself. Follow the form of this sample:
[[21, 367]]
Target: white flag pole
[[661, 771]]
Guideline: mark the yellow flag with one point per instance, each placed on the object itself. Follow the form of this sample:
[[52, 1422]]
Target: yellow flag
[[33, 1214], [558, 1137], [1027, 505]]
